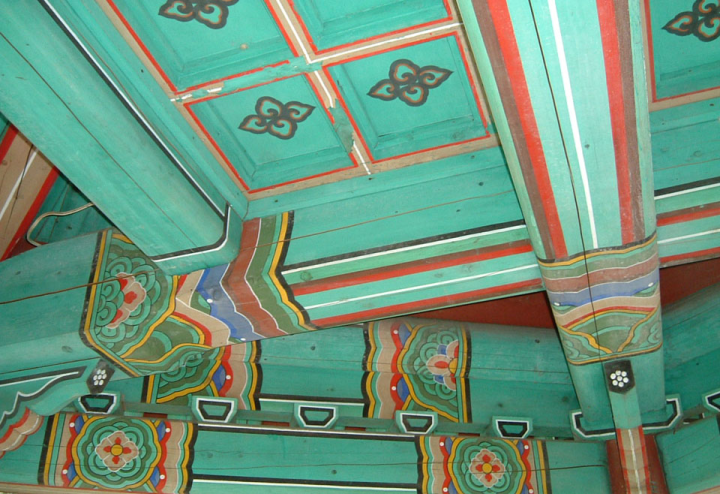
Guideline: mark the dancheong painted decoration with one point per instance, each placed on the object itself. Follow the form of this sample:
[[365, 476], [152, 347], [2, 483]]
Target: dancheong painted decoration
[[410, 83], [212, 13], [360, 246], [703, 21]]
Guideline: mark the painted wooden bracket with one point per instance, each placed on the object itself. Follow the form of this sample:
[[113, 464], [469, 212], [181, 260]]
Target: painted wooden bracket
[[512, 427], [711, 401], [102, 403], [316, 416], [673, 410], [416, 422], [215, 410]]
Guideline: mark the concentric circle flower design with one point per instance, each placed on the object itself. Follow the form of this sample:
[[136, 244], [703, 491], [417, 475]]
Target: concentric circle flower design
[[116, 451], [487, 468], [133, 295], [443, 365]]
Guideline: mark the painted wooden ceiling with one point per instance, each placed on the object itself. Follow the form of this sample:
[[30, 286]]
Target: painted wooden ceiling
[[289, 93]]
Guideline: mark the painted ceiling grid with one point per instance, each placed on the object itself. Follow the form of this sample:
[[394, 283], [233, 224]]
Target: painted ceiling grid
[[301, 92]]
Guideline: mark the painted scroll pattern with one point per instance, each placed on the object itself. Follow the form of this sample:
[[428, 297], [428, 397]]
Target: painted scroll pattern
[[468, 465], [227, 372], [147, 322], [211, 13], [118, 453], [618, 313], [409, 82], [417, 366], [703, 21]]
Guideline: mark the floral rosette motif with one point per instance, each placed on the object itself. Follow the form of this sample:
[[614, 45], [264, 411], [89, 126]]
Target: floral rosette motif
[[443, 365], [212, 13], [135, 297], [492, 467], [409, 82], [117, 453], [275, 118]]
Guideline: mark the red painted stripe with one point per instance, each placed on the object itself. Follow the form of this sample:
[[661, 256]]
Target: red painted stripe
[[216, 146], [214, 96], [32, 211], [471, 76], [390, 34], [408, 268], [142, 46], [426, 150], [391, 48], [288, 39], [646, 463], [692, 256], [513, 62], [651, 51], [7, 141], [647, 310], [432, 303], [238, 288], [16, 425], [689, 214], [614, 79]]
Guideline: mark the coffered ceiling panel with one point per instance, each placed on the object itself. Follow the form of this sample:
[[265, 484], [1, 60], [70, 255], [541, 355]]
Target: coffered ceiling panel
[[293, 93], [683, 46], [191, 43]]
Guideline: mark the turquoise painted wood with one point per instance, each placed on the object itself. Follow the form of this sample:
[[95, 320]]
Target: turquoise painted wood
[[692, 347], [248, 459], [691, 457], [88, 20], [309, 148], [683, 51], [393, 128], [181, 48], [63, 197], [331, 24], [120, 154]]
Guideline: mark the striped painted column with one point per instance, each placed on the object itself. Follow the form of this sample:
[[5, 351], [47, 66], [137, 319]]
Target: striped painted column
[[566, 85]]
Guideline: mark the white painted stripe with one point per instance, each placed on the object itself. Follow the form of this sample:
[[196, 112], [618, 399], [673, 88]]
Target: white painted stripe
[[331, 102], [387, 41], [202, 251], [404, 249], [318, 403], [684, 237], [359, 155], [13, 191], [687, 191], [294, 31], [314, 432], [415, 288], [315, 486], [573, 116], [635, 463], [131, 105]]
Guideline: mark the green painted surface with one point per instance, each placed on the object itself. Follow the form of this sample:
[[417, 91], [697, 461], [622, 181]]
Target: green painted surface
[[391, 128], [120, 154], [682, 63], [333, 23], [181, 48], [691, 457], [63, 197], [576, 464], [64, 268]]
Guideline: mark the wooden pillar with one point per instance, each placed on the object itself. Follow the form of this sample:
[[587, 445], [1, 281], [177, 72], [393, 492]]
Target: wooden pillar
[[566, 86], [60, 96]]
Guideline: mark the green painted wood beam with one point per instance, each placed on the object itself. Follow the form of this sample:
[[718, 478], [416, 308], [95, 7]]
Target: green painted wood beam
[[124, 168], [231, 458], [568, 97]]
